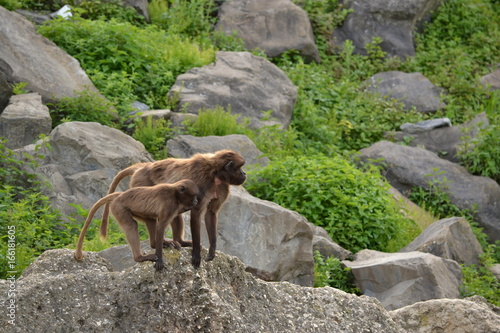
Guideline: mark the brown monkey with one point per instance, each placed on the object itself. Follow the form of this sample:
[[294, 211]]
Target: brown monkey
[[213, 173], [156, 206]]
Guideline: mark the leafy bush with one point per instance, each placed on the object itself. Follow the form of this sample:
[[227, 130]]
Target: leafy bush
[[215, 121], [145, 59], [333, 116], [484, 157], [458, 45], [330, 272], [354, 207], [85, 106], [479, 280], [26, 215], [153, 134], [192, 18]]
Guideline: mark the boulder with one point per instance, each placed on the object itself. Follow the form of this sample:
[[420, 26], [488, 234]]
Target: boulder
[[248, 84], [24, 120], [399, 279], [272, 26], [141, 6], [26, 56], [323, 243], [412, 89], [445, 141], [492, 80], [5, 91], [406, 167], [80, 161], [63, 295], [393, 21], [273, 242], [185, 146], [450, 238], [467, 315]]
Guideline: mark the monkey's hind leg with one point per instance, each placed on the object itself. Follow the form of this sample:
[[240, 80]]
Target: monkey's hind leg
[[129, 227], [178, 231], [153, 238]]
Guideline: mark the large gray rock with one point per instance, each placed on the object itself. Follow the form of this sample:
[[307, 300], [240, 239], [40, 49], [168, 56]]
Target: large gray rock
[[63, 295], [24, 120], [185, 146], [250, 85], [275, 243], [323, 243], [450, 238], [272, 26], [468, 315], [81, 160], [406, 167], [399, 279], [492, 80], [412, 89], [393, 21], [5, 91], [446, 141], [26, 56]]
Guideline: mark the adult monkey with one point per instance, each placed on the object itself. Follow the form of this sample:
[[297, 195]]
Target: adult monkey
[[212, 173], [156, 206]]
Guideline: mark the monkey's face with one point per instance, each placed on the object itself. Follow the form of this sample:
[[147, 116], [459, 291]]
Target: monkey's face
[[188, 194], [233, 173]]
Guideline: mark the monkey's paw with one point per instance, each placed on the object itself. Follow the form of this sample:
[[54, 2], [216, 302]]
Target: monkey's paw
[[173, 244]]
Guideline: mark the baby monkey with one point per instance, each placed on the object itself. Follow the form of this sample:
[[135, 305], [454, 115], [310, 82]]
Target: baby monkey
[[156, 206]]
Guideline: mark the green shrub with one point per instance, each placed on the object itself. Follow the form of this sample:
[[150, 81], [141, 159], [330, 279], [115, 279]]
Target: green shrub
[[330, 272], [215, 121], [146, 59], [484, 157], [28, 221], [153, 134], [354, 207], [85, 106], [192, 18]]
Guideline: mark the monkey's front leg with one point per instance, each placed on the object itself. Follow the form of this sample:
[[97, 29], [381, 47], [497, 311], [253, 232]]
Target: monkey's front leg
[[211, 221], [160, 231], [195, 235]]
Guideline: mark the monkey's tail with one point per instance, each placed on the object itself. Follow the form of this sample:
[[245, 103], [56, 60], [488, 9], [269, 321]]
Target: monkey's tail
[[103, 230], [106, 200]]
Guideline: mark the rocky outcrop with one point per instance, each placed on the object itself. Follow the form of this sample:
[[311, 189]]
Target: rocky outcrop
[[185, 146], [323, 243], [450, 238], [272, 26], [413, 89], [406, 167], [449, 316], [248, 84], [81, 159], [24, 120], [63, 295], [399, 279], [492, 80], [393, 21], [26, 56]]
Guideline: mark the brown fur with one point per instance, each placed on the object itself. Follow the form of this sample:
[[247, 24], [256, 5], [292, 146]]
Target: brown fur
[[156, 206], [212, 173]]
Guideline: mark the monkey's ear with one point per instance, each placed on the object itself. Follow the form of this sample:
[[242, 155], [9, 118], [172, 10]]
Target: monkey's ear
[[228, 166]]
